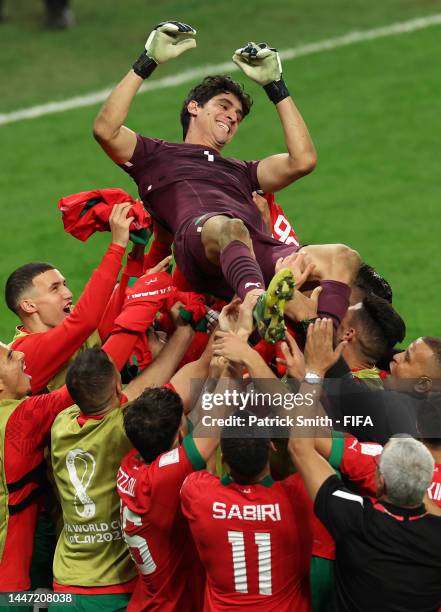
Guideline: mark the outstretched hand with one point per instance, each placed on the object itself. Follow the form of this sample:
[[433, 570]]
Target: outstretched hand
[[119, 222], [229, 315], [245, 320], [175, 315], [319, 350], [296, 263], [302, 307], [259, 62], [294, 360], [231, 347], [217, 367], [169, 40], [162, 266]]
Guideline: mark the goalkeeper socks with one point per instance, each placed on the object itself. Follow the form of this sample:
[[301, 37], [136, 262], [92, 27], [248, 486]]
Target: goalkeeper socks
[[240, 269], [333, 301]]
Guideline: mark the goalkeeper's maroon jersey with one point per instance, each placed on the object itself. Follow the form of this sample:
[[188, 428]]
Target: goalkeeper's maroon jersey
[[254, 541], [158, 537], [179, 182]]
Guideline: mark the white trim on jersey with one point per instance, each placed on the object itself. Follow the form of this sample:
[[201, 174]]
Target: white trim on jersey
[[350, 496], [169, 457]]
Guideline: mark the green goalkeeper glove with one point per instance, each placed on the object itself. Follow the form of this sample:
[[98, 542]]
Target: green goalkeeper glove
[[168, 40], [262, 64]]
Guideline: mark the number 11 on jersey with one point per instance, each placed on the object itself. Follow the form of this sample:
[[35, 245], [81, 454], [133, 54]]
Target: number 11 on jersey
[[263, 543]]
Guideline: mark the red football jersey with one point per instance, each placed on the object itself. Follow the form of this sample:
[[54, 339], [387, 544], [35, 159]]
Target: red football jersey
[[434, 491], [359, 463], [25, 437], [280, 226], [254, 541], [160, 542], [88, 212]]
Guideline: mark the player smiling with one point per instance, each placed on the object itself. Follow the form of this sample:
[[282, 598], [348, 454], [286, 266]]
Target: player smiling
[[204, 199]]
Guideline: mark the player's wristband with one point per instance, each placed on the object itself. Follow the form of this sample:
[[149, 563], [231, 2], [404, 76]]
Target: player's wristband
[[276, 91], [144, 66], [312, 378]]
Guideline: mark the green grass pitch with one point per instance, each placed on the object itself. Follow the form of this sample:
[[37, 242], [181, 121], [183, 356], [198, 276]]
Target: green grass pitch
[[372, 109]]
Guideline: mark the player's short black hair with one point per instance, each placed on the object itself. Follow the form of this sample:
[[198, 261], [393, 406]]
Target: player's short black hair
[[212, 86], [152, 421], [434, 343], [370, 281], [248, 454], [90, 380], [21, 280], [429, 419], [381, 327]]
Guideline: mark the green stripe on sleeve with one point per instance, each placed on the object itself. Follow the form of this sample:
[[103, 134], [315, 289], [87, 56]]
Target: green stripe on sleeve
[[193, 454], [338, 447]]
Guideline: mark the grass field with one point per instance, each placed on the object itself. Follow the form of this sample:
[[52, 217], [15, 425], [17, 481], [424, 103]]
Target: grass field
[[372, 109]]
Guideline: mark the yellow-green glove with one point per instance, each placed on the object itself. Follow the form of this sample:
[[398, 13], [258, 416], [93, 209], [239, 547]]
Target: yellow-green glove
[[259, 62], [262, 64], [168, 40]]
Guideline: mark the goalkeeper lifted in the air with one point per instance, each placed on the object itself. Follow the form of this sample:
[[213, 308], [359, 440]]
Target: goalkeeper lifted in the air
[[205, 200]]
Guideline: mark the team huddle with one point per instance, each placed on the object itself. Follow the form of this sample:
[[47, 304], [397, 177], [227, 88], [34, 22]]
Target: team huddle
[[122, 437]]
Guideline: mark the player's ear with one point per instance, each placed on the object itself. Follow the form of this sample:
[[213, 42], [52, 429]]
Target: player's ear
[[423, 385], [349, 335], [193, 108], [27, 306]]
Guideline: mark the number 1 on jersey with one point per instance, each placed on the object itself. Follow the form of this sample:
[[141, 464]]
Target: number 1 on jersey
[[263, 543]]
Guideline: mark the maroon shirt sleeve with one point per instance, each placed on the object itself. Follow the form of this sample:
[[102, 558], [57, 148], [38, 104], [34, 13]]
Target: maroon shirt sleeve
[[135, 167], [45, 353]]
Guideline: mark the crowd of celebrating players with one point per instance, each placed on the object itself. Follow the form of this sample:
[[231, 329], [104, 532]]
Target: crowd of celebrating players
[[129, 479]]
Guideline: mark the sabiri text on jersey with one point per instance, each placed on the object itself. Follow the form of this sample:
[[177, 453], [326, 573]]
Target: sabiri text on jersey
[[248, 512]]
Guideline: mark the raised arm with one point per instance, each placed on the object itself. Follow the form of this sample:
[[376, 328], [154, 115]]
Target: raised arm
[[164, 366], [223, 378], [133, 268], [166, 41], [190, 378], [47, 352], [313, 468], [117, 140], [262, 64]]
